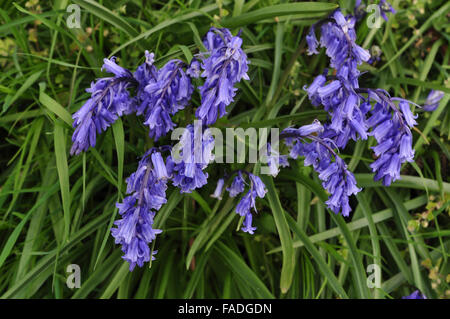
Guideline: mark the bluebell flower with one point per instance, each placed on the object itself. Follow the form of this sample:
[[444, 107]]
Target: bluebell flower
[[188, 168], [433, 100], [312, 42], [337, 93], [345, 106], [257, 185], [338, 37], [247, 224], [223, 66], [237, 186], [194, 69], [318, 151], [147, 193], [145, 74], [109, 100], [166, 94], [248, 201], [415, 295]]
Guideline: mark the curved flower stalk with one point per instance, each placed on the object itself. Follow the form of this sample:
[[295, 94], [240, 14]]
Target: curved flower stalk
[[147, 193], [195, 154], [223, 66], [109, 100], [319, 152], [167, 91]]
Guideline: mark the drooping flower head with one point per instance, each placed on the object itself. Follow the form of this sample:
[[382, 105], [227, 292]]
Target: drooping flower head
[[195, 153], [147, 193], [391, 125], [318, 150], [109, 100], [223, 65], [219, 188], [247, 202], [337, 93], [165, 94], [145, 74]]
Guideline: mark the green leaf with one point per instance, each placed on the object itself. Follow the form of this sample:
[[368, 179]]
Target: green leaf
[[241, 270], [307, 9], [26, 84], [54, 106], [63, 174], [323, 267], [287, 269]]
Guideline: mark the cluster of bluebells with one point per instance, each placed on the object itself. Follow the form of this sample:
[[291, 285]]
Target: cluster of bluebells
[[256, 188], [109, 100], [195, 155], [224, 64], [357, 113], [311, 142], [167, 91], [159, 93], [146, 189]]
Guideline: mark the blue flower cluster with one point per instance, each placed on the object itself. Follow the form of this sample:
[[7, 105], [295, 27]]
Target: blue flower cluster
[[147, 193], [196, 153], [310, 142], [247, 202], [164, 95], [109, 100], [391, 128], [223, 65], [357, 113], [159, 94]]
